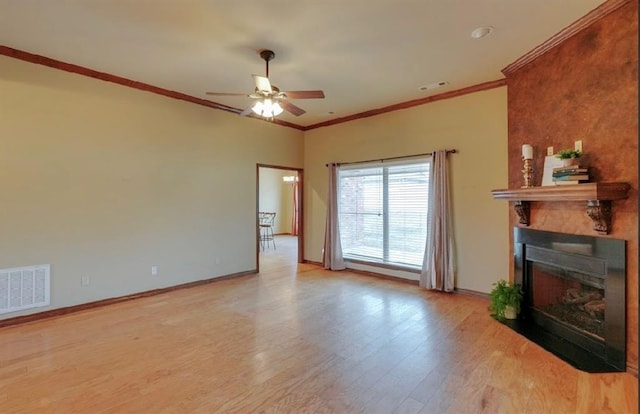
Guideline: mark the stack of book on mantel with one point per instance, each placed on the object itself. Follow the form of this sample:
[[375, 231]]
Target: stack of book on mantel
[[572, 174]]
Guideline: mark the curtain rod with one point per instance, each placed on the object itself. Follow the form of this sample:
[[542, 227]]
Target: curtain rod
[[452, 151]]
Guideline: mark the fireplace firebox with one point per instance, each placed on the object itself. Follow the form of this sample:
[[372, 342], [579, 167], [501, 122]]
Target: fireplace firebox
[[574, 301]]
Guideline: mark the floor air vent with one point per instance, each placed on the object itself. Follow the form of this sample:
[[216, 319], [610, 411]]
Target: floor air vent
[[24, 288]]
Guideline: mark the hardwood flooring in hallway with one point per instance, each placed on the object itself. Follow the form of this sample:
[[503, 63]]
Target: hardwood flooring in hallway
[[284, 255], [293, 339]]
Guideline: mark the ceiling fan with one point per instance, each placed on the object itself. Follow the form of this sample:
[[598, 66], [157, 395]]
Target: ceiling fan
[[271, 101]]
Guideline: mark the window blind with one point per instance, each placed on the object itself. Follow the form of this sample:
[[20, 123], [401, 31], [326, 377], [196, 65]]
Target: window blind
[[383, 209]]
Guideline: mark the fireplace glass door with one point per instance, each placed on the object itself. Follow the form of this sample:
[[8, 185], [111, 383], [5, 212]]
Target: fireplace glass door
[[575, 300], [574, 296]]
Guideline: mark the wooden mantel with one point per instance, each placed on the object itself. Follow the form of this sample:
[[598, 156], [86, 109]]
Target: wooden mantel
[[597, 195]]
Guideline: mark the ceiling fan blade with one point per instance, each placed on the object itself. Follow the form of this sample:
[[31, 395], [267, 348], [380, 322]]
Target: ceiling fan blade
[[288, 106], [225, 94], [262, 83], [246, 110], [304, 94]]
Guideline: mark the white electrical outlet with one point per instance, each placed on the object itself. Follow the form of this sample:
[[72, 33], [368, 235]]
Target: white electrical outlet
[[154, 270], [578, 145], [85, 281], [549, 150]]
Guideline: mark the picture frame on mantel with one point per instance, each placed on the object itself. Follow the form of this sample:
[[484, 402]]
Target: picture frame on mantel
[[550, 162]]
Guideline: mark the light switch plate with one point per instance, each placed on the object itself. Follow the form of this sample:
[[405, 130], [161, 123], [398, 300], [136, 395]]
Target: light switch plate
[[549, 150], [578, 145]]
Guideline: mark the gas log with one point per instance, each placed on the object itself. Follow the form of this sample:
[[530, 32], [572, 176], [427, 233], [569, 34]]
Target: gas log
[[595, 308], [576, 296]]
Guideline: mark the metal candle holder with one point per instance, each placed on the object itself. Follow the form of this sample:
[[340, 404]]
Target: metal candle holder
[[527, 173]]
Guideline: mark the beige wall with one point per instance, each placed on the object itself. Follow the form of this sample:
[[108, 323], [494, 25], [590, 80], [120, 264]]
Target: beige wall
[[475, 125], [105, 181], [275, 195], [286, 201]]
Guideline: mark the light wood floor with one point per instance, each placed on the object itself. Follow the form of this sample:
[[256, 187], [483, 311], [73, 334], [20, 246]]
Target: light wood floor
[[294, 339]]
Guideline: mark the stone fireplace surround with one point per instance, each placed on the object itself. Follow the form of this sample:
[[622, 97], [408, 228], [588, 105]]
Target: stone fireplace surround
[[574, 302]]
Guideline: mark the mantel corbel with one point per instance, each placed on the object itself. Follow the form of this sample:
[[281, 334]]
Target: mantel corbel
[[523, 210], [600, 213]]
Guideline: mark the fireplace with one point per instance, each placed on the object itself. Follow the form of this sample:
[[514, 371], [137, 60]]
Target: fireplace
[[574, 301]]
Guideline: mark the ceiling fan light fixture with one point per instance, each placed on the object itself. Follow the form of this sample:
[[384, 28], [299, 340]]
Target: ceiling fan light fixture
[[267, 108], [277, 109], [257, 108]]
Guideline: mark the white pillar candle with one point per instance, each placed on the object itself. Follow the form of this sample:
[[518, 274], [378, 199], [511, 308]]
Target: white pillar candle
[[527, 152]]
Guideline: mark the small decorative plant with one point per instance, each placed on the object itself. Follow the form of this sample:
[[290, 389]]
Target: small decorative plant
[[568, 153], [505, 295]]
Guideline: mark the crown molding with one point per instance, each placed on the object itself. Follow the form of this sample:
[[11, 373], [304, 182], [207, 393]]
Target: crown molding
[[416, 102], [580, 24], [107, 77]]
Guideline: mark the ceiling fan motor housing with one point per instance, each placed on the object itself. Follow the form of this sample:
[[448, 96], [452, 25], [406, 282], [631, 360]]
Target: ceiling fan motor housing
[[267, 55]]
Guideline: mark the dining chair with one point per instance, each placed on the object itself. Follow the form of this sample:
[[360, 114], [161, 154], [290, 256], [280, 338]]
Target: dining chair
[[265, 227]]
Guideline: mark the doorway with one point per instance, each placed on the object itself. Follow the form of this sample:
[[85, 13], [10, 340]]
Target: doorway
[[279, 190]]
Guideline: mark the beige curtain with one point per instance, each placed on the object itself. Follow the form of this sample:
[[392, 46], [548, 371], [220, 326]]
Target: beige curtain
[[332, 248], [437, 266]]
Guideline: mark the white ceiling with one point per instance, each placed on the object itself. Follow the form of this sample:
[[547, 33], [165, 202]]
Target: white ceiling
[[364, 54]]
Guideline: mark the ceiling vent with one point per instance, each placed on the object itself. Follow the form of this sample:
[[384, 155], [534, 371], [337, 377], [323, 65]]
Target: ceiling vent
[[434, 85]]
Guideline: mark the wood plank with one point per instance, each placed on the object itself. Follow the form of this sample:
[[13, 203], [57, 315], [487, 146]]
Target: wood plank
[[292, 340], [578, 192]]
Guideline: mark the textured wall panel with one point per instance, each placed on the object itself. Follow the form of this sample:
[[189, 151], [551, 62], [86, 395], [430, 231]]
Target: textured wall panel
[[586, 88]]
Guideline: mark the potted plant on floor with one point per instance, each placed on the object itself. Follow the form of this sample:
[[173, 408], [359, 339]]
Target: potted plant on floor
[[505, 300]]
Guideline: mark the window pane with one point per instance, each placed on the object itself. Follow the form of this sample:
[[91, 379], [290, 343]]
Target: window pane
[[408, 208], [368, 210], [361, 213]]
